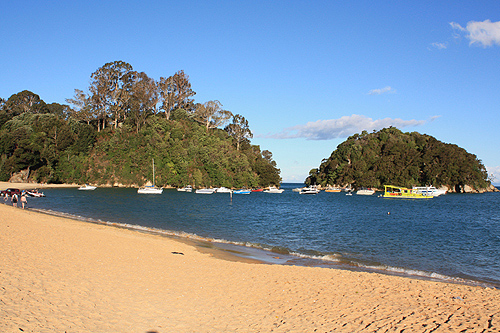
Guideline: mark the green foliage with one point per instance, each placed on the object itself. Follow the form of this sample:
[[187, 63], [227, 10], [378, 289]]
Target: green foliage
[[402, 159], [59, 149]]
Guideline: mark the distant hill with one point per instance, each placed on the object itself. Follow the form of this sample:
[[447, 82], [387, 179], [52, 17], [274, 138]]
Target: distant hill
[[391, 157]]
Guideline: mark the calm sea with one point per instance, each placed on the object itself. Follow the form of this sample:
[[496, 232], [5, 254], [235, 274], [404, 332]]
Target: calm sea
[[454, 237]]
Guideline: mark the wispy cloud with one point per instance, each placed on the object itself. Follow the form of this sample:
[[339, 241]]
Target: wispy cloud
[[381, 91], [439, 46], [342, 127], [485, 33], [494, 173]]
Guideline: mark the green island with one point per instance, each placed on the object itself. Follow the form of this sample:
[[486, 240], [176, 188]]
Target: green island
[[110, 134], [390, 156]]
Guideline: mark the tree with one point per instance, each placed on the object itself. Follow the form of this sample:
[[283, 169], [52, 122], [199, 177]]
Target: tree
[[175, 92], [83, 110], [110, 88], [239, 130], [211, 114], [25, 101], [144, 97], [60, 110]]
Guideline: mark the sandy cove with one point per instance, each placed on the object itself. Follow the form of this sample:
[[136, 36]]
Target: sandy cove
[[63, 275]]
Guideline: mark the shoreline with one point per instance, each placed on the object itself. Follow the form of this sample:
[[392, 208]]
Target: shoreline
[[63, 274], [234, 251], [260, 253]]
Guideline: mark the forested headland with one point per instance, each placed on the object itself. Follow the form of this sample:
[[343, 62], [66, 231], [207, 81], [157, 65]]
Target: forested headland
[[110, 133], [391, 157]]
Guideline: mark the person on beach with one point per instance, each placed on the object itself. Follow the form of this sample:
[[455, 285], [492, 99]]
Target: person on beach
[[14, 200], [24, 200]]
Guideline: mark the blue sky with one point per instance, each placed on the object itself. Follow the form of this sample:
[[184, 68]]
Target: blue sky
[[305, 74]]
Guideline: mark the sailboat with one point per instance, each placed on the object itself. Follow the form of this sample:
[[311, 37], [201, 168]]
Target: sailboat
[[151, 189]]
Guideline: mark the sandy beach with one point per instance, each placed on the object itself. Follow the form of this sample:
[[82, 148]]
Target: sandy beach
[[63, 275]]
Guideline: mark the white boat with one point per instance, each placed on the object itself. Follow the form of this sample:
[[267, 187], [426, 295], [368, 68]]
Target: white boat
[[309, 190], [205, 191], [87, 187], [429, 190], [187, 188], [151, 189], [273, 189], [35, 193], [242, 191], [365, 191], [223, 190]]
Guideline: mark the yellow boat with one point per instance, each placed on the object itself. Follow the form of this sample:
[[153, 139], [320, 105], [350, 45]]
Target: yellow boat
[[403, 193], [333, 189]]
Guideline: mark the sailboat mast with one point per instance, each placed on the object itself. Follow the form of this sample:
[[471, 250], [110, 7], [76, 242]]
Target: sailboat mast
[[153, 172]]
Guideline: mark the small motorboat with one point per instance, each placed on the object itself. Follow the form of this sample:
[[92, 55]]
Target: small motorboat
[[35, 193], [333, 189], [274, 189], [205, 191], [87, 187], [223, 190], [258, 190], [187, 188], [365, 191], [242, 191], [309, 190]]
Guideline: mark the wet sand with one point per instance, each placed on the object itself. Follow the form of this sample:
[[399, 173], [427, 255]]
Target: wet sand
[[58, 274]]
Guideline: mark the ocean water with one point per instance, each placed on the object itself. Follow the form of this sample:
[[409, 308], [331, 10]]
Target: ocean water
[[455, 237]]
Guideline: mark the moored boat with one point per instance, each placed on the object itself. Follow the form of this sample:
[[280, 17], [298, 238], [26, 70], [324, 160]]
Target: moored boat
[[151, 189], [274, 189], [403, 193], [429, 190], [87, 187], [365, 191], [242, 191], [35, 193], [309, 190], [223, 190], [205, 191], [187, 188], [333, 189]]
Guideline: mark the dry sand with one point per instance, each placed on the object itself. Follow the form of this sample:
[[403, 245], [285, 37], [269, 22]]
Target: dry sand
[[62, 275]]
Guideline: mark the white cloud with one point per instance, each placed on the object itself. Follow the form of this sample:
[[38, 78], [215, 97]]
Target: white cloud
[[380, 91], [342, 127], [484, 33], [494, 173], [439, 46]]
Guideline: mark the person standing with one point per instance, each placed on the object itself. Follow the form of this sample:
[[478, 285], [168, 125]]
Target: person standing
[[24, 200], [14, 200]]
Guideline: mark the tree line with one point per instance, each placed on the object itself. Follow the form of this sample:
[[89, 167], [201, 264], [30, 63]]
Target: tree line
[[109, 134], [391, 157]]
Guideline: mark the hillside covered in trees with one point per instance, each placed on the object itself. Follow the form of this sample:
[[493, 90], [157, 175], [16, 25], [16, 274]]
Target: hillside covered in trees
[[110, 134], [391, 157]]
